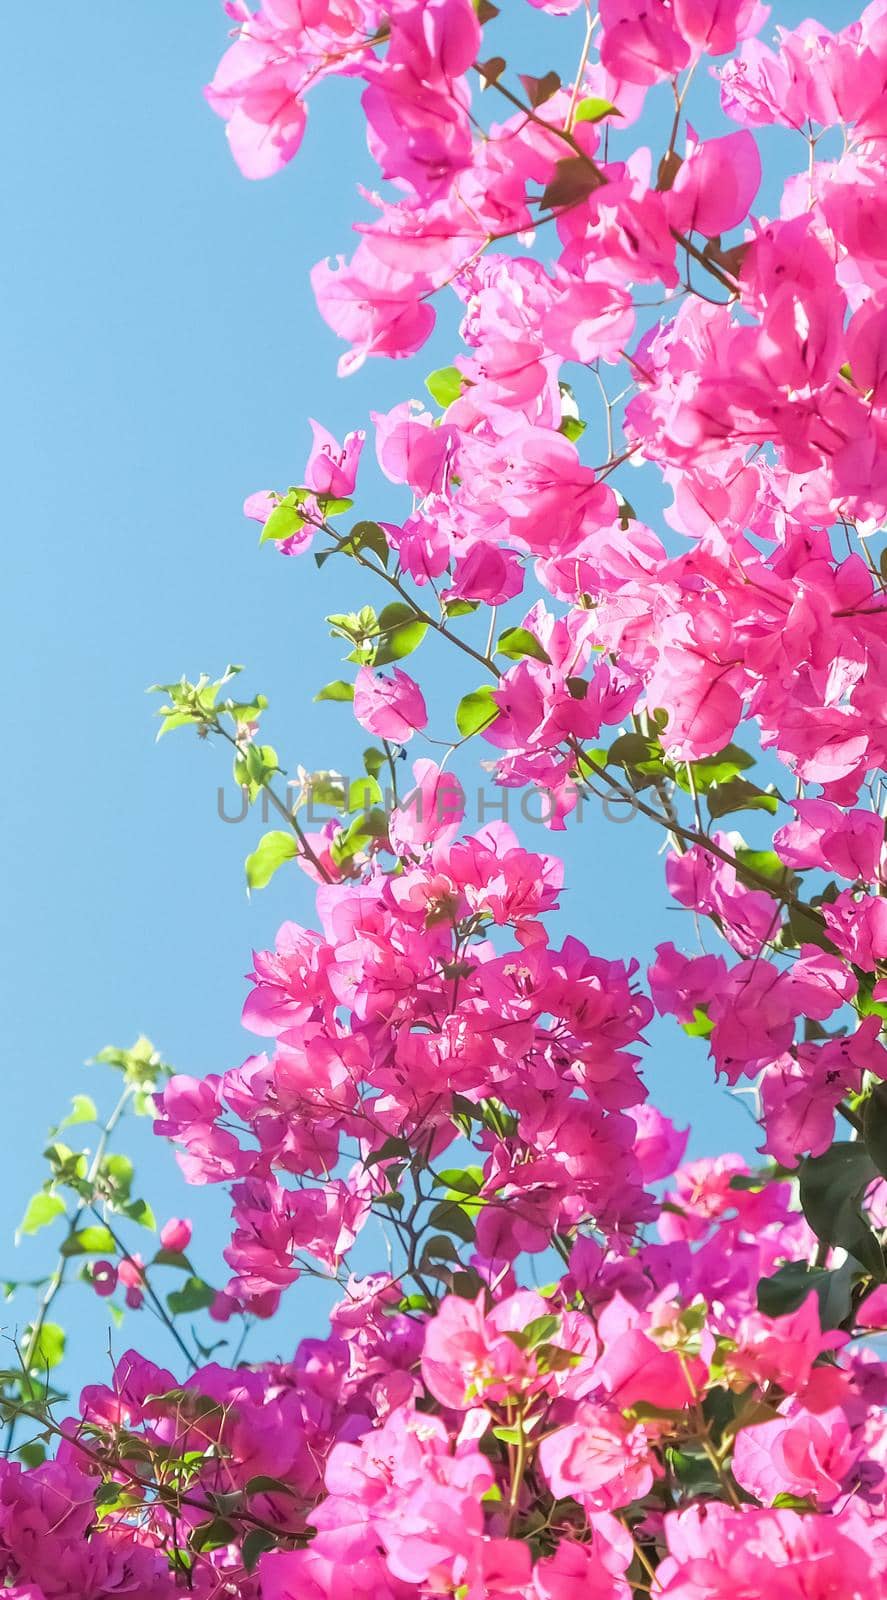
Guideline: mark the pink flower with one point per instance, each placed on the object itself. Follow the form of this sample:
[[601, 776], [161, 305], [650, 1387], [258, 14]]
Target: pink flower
[[175, 1235], [332, 468], [716, 185], [600, 1459], [392, 708]]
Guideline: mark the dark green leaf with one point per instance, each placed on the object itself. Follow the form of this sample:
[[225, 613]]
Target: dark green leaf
[[449, 1215], [393, 1149], [257, 1543], [214, 1535], [195, 1295], [789, 1287], [874, 1122], [832, 1186], [740, 795]]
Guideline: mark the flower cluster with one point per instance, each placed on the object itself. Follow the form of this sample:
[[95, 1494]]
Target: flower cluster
[[692, 1406]]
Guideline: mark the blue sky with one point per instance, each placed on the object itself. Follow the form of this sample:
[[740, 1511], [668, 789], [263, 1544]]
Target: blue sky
[[164, 353]]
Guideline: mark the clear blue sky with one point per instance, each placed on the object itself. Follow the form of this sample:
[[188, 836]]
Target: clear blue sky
[[163, 353]]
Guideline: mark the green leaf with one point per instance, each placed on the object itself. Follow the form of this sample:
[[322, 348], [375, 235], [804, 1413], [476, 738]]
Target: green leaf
[[359, 835], [171, 1258], [789, 1287], [445, 385], [641, 758], [400, 633], [49, 1348], [449, 1215], [83, 1109], [393, 1149], [540, 1330], [195, 1295], [368, 536], [363, 794], [94, 1241], [338, 690], [465, 1180], [257, 1543], [214, 1535], [740, 795], [701, 1026], [439, 1248], [283, 523], [518, 642], [874, 1123], [476, 711], [141, 1065], [41, 1210], [329, 506], [832, 1187], [272, 851], [117, 1171], [265, 1485], [593, 109], [764, 864], [720, 768], [139, 1211]]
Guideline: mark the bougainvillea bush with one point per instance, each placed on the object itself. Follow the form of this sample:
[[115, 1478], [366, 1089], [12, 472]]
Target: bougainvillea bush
[[692, 1404]]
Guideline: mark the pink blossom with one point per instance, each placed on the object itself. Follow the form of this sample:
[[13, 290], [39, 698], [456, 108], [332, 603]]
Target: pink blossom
[[392, 708]]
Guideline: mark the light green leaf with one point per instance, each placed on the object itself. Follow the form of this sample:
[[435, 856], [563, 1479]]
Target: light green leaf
[[49, 1348], [272, 851], [445, 385], [94, 1241], [593, 109], [283, 523], [41, 1210], [83, 1109], [519, 642], [338, 690], [476, 711]]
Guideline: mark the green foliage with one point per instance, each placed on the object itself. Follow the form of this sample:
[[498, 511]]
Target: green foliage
[[874, 1124], [400, 633], [445, 385], [48, 1346], [519, 642], [476, 711], [593, 109], [194, 1295], [41, 1210], [338, 690], [271, 852], [832, 1187]]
